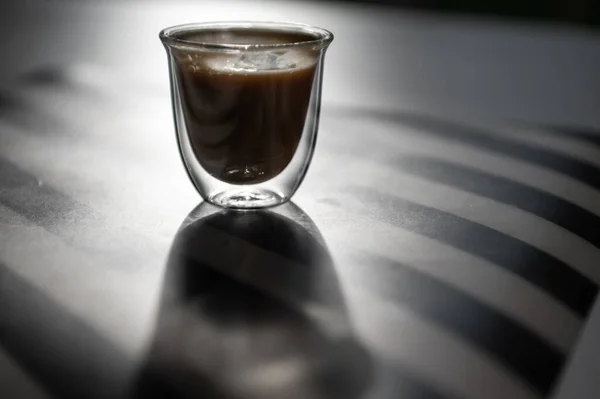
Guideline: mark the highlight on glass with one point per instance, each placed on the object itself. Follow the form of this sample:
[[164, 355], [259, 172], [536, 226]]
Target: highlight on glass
[[246, 101]]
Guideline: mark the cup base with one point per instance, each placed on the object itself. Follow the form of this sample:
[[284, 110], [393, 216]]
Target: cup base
[[246, 199]]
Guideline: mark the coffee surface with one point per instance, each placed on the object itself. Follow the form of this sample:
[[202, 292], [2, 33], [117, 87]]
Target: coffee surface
[[244, 36], [245, 112]]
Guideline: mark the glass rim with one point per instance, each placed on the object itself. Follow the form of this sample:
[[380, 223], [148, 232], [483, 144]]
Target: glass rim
[[322, 37]]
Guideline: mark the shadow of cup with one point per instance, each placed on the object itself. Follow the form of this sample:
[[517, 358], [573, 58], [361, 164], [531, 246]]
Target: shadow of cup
[[251, 307]]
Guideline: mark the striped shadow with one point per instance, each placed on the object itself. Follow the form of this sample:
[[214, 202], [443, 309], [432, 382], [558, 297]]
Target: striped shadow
[[196, 269], [221, 236], [538, 232], [490, 285], [73, 222], [445, 359], [550, 274], [19, 110], [560, 163], [545, 205], [266, 251], [518, 348], [387, 141], [52, 345]]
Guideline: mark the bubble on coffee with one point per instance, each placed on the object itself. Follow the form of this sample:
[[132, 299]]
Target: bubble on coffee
[[255, 62]]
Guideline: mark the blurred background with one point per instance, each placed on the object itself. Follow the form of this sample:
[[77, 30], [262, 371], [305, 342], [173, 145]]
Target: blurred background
[[534, 61], [585, 12]]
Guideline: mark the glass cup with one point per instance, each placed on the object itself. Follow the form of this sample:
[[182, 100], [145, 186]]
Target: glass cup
[[246, 101]]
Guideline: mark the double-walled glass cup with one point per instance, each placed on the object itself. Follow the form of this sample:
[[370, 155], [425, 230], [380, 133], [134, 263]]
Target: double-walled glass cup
[[246, 100]]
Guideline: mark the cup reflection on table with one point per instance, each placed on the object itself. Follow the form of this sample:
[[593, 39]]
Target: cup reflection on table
[[246, 98], [252, 308]]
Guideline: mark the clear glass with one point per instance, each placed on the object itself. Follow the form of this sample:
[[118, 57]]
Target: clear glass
[[246, 101]]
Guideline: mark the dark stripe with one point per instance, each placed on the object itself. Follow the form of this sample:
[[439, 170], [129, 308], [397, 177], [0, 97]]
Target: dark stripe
[[47, 76], [271, 232], [548, 206], [308, 275], [22, 113], [56, 348], [539, 268], [36, 201], [587, 135], [399, 382], [555, 161], [515, 346], [10, 104]]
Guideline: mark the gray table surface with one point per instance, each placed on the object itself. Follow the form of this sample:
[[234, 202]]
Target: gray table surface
[[445, 244]]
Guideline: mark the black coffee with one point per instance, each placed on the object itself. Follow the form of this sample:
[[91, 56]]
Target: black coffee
[[245, 113]]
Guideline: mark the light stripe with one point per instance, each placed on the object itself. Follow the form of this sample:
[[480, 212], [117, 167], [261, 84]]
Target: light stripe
[[567, 166], [550, 274], [383, 142], [486, 282], [138, 182], [567, 215], [511, 221], [519, 350], [397, 334], [75, 223]]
